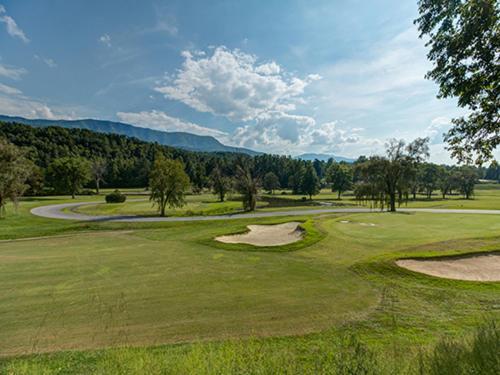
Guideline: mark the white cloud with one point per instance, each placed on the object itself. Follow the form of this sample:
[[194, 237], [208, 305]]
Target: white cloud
[[232, 84], [437, 128], [105, 39], [16, 105], [161, 121], [9, 90], [12, 73], [12, 28], [47, 61]]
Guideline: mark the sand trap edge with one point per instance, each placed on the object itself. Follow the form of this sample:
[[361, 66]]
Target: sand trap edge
[[252, 230], [461, 267]]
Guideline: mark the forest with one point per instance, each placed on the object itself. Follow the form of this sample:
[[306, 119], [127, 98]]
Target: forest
[[118, 161]]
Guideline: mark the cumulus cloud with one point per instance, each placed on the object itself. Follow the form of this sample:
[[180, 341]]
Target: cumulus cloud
[[105, 39], [14, 104], [11, 26], [159, 120], [437, 128], [234, 84]]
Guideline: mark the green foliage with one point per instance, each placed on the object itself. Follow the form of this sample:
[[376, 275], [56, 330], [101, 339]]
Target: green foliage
[[467, 179], [270, 182], [310, 181], [385, 180], [168, 183], [98, 170], [247, 185], [429, 177], [464, 44], [221, 184], [15, 170], [340, 176], [477, 356], [69, 174], [116, 197]]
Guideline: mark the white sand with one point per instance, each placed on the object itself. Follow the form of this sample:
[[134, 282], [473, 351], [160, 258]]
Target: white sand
[[484, 267], [267, 235]]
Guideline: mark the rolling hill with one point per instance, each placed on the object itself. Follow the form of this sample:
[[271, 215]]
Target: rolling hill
[[182, 140]]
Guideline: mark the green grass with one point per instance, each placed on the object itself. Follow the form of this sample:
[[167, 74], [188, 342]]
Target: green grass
[[197, 205], [181, 303]]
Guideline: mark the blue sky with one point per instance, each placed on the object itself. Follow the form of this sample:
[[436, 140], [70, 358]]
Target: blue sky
[[277, 76]]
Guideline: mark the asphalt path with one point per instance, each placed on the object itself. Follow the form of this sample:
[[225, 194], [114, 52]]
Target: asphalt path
[[55, 211]]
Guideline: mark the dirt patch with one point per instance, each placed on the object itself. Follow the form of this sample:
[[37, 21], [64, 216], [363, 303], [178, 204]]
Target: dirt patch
[[483, 267], [267, 235]]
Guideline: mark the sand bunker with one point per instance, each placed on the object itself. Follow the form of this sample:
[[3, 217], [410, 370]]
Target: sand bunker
[[484, 267], [267, 235]]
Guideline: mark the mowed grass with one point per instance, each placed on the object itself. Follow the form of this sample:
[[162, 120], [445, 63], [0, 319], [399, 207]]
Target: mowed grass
[[201, 204], [140, 285]]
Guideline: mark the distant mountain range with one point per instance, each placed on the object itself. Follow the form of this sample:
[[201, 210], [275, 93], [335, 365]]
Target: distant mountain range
[[182, 140], [324, 157]]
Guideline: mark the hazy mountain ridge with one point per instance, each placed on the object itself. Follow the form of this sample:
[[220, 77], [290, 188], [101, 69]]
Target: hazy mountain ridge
[[187, 141], [324, 157]]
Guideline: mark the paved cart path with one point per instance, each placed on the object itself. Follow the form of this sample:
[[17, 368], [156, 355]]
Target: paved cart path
[[55, 211]]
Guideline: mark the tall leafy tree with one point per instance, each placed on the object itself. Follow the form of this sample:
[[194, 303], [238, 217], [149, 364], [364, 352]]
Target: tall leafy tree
[[15, 170], [340, 175], [467, 179], [168, 183], [247, 185], [69, 174], [310, 181], [464, 41], [270, 182], [430, 178], [98, 169], [383, 177], [221, 184]]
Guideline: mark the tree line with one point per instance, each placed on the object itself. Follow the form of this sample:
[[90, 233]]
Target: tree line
[[54, 160]]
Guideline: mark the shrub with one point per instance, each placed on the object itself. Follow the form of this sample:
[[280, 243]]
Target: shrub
[[87, 192], [115, 197]]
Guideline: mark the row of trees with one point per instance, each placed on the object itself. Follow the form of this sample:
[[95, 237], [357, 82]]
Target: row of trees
[[169, 173]]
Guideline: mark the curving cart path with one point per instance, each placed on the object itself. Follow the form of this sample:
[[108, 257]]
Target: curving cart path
[[55, 211]]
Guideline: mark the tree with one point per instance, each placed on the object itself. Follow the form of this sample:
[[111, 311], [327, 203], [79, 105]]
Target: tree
[[340, 175], [247, 185], [430, 174], [270, 182], [98, 169], [15, 170], [296, 177], [221, 184], [383, 177], [467, 180], [464, 40], [310, 181], [168, 183], [69, 174], [445, 182], [493, 171]]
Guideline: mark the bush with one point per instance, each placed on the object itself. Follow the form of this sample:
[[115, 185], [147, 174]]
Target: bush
[[86, 192], [116, 197]]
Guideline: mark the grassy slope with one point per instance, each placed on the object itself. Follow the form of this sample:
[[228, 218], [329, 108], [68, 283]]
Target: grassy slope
[[206, 204], [161, 283]]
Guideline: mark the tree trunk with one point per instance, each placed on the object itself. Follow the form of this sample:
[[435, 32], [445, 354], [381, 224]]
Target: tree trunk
[[392, 201], [339, 195], [72, 194], [97, 186]]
